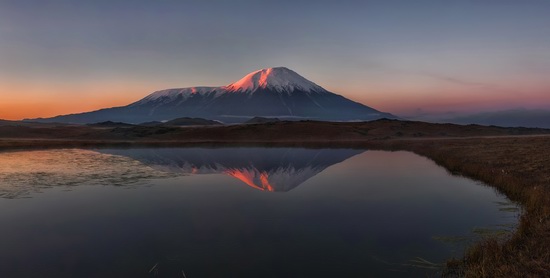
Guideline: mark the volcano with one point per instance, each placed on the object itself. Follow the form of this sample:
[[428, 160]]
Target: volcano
[[273, 92]]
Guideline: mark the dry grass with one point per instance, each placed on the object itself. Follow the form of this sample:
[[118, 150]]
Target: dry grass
[[518, 167]]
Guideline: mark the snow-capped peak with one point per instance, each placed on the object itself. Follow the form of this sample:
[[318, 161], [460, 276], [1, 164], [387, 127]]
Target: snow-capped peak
[[279, 79]]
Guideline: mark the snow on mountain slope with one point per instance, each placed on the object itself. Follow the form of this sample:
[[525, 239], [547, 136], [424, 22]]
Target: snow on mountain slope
[[169, 95], [278, 79]]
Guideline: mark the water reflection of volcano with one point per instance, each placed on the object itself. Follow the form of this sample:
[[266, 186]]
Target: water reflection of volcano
[[270, 169]]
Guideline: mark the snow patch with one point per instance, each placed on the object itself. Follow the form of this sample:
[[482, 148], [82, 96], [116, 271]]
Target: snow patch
[[170, 95]]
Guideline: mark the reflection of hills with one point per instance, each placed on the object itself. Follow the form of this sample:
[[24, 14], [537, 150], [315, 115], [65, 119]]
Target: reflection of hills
[[270, 169]]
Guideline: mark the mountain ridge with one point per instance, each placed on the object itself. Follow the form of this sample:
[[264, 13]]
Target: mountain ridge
[[271, 92]]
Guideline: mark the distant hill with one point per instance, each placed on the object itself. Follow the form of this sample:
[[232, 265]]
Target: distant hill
[[507, 118], [283, 131], [31, 123], [153, 123], [186, 121], [261, 120], [111, 124]]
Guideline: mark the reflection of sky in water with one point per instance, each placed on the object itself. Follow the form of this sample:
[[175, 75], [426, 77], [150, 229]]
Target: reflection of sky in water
[[361, 214], [30, 171]]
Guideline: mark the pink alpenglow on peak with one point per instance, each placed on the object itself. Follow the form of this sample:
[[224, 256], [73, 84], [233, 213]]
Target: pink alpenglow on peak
[[279, 79]]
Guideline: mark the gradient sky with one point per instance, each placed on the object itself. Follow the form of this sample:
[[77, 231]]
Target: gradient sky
[[404, 57]]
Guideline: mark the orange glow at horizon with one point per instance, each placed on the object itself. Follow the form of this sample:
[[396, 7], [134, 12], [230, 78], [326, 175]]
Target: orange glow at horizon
[[27, 100], [19, 111], [441, 99], [20, 99], [465, 105]]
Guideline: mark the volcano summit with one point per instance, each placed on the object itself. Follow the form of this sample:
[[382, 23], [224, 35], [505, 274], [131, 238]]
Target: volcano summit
[[273, 92]]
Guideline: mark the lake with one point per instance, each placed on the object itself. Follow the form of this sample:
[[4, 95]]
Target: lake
[[237, 212]]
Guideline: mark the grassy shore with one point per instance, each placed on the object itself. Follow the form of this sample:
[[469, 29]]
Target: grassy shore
[[518, 166]]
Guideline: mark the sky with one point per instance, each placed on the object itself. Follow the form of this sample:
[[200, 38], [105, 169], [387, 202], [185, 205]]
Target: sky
[[409, 58]]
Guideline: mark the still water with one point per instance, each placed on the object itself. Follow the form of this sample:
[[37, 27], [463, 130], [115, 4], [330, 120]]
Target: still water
[[237, 212]]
